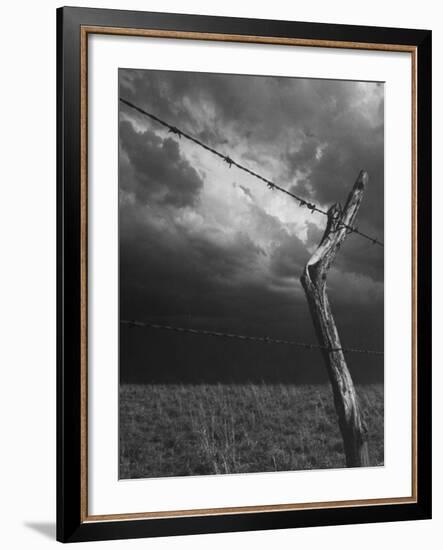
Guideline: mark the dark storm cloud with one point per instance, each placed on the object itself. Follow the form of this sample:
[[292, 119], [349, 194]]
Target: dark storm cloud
[[181, 274], [321, 129], [333, 174], [159, 172], [289, 257], [182, 280], [303, 159], [361, 257], [178, 266]]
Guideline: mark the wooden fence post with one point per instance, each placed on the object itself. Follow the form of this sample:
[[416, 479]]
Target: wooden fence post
[[352, 425]]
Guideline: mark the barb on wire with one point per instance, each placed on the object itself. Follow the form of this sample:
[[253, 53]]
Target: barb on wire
[[271, 185], [258, 339]]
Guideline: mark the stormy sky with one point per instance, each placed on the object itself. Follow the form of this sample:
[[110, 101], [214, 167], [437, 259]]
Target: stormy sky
[[206, 246]]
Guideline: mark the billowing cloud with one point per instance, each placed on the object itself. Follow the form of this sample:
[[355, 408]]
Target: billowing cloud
[[207, 246], [159, 172]]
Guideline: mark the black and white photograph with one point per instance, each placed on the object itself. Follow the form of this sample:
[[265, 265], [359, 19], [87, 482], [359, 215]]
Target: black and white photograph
[[251, 269], [217, 263]]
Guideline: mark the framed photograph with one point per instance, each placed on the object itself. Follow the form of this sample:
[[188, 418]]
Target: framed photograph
[[244, 269]]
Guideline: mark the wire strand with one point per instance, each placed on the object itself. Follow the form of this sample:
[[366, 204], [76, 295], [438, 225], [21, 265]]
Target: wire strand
[[230, 162], [244, 337]]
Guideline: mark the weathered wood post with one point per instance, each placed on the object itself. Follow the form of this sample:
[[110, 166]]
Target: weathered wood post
[[352, 425]]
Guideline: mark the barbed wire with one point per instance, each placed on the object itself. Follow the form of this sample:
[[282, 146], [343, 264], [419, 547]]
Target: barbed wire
[[230, 162], [244, 337]]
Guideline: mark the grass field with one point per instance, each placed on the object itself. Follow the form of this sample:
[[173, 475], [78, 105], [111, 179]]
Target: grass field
[[179, 430]]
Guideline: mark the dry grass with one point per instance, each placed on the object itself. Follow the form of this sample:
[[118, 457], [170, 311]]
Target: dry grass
[[179, 430]]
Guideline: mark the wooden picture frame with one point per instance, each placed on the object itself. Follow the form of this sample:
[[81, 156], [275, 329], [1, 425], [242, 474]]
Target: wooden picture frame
[[74, 26]]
